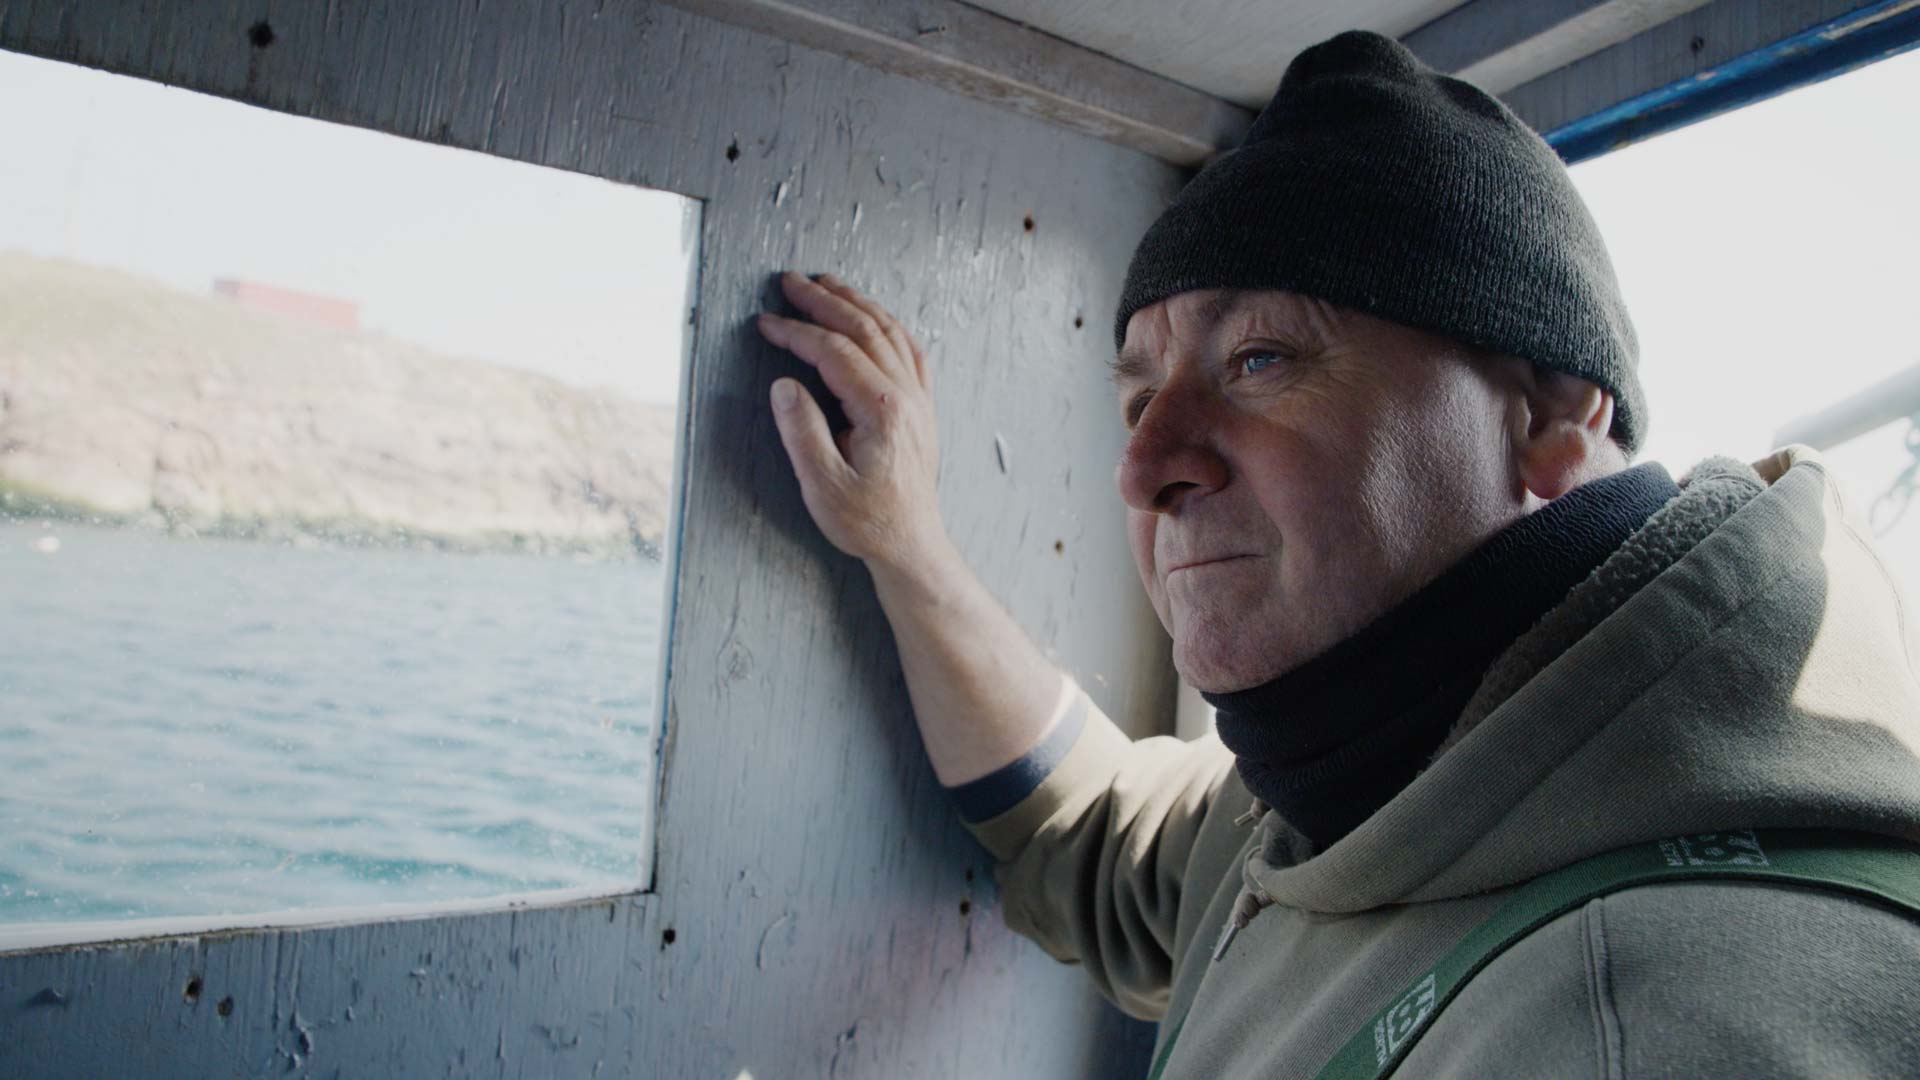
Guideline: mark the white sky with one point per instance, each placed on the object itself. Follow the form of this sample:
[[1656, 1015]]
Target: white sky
[[1771, 261], [465, 253]]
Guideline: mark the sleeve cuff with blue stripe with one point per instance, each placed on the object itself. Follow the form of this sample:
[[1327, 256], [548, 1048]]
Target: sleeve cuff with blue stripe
[[1002, 789]]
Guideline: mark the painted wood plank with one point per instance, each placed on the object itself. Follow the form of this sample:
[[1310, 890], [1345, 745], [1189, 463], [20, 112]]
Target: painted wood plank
[[1234, 49], [978, 54], [1499, 44], [1681, 48], [816, 909]]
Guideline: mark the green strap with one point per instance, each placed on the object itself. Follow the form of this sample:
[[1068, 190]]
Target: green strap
[[1862, 864], [1876, 867], [1166, 1051]]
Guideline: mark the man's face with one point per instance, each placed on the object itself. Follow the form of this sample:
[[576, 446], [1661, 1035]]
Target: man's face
[[1296, 469]]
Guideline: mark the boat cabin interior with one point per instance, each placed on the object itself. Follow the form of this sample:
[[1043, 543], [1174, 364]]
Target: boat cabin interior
[[418, 659]]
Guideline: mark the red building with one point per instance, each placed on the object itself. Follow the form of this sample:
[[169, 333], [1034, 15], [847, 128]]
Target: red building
[[325, 310]]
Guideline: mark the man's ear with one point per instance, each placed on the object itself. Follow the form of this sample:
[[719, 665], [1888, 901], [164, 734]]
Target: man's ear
[[1560, 435]]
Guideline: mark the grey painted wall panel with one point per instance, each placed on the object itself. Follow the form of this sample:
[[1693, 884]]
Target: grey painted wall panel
[[808, 865]]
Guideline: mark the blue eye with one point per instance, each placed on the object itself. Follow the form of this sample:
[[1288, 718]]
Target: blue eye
[[1257, 361]]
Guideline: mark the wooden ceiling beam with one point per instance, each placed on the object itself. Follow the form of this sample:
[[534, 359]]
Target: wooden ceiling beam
[[1501, 44], [989, 58]]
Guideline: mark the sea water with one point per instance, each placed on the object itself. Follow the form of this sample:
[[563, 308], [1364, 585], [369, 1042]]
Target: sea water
[[207, 727]]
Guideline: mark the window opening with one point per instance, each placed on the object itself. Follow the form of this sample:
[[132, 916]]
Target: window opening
[[337, 499]]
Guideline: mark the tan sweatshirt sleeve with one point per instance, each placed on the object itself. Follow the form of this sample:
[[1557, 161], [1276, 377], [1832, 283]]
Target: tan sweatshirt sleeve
[[1093, 860]]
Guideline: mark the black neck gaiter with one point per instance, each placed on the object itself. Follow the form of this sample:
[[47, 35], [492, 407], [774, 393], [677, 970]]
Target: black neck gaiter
[[1329, 742]]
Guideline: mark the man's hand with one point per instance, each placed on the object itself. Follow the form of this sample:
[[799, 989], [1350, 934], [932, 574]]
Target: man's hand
[[982, 694], [871, 489]]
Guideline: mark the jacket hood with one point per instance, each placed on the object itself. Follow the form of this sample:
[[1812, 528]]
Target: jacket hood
[[1762, 679]]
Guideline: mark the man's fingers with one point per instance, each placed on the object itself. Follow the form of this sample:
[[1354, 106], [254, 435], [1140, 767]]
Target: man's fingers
[[904, 347], [847, 371], [803, 431], [834, 310]]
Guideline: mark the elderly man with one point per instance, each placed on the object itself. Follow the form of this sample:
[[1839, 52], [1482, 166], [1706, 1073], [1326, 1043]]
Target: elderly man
[[1505, 726]]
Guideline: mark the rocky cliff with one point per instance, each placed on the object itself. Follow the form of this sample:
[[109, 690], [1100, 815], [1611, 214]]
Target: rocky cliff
[[123, 399]]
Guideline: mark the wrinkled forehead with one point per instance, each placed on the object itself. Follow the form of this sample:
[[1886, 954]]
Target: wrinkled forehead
[[1193, 320]]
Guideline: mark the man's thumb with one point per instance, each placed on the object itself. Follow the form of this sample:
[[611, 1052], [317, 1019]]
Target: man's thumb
[[804, 432]]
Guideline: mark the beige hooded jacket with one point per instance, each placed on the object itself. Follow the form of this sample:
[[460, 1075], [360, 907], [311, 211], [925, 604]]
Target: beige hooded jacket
[[1742, 661]]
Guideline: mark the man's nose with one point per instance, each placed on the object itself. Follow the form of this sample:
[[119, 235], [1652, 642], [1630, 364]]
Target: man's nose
[[1172, 454]]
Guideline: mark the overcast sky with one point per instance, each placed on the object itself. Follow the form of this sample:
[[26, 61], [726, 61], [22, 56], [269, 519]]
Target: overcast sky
[[465, 253]]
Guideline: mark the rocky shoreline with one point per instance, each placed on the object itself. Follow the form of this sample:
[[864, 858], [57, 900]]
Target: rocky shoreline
[[123, 401]]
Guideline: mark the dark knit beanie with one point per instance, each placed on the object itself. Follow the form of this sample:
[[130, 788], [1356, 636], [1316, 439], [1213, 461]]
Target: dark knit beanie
[[1373, 182]]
